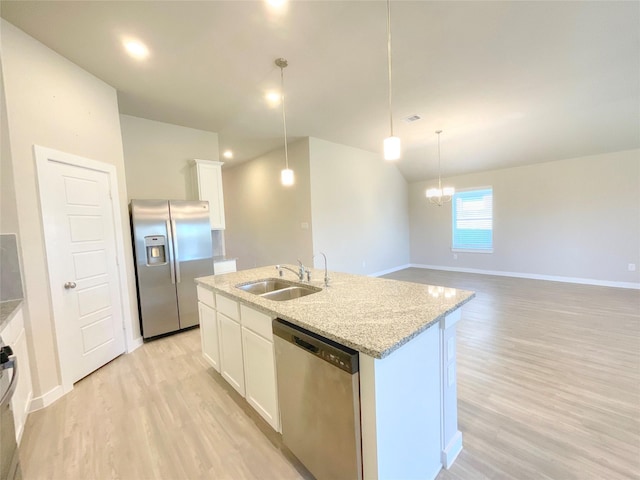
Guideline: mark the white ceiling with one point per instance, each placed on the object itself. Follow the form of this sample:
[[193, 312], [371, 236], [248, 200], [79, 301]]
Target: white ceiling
[[509, 83]]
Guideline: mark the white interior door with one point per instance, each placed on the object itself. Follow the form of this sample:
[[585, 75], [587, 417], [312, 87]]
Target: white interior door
[[78, 220]]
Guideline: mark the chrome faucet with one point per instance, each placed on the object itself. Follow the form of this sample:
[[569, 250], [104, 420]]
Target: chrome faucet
[[326, 274], [299, 273]]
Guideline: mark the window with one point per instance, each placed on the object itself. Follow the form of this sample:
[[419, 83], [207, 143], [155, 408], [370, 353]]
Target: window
[[473, 220]]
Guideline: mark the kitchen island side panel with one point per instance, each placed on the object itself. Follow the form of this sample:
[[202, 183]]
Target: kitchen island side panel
[[401, 410]]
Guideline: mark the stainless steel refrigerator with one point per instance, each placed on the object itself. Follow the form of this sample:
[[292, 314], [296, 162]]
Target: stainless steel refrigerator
[[172, 246]]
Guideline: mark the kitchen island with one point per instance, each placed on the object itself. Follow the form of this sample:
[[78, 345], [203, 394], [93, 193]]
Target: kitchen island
[[405, 335]]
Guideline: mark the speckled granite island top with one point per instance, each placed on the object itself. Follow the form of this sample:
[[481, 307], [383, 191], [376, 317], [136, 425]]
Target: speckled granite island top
[[372, 315]]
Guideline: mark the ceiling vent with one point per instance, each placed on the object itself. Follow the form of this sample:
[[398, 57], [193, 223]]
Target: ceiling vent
[[412, 118]]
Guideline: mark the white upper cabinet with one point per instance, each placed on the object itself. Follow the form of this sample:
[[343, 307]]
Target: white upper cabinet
[[207, 175]]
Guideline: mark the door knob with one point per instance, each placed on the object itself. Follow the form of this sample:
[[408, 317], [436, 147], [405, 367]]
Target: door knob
[[69, 285]]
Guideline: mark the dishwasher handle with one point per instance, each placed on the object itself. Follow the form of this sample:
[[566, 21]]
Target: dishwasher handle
[[340, 356], [306, 345]]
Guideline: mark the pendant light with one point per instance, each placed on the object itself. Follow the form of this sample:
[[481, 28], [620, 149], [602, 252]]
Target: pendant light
[[391, 143], [439, 196], [286, 176]]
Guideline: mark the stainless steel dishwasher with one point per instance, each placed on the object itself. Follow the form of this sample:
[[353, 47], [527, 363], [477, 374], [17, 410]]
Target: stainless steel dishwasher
[[319, 395]]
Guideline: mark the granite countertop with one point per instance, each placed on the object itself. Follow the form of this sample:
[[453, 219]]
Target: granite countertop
[[7, 309], [372, 315]]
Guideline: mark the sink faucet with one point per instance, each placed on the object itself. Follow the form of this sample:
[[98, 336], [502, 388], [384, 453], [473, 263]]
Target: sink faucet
[[326, 274], [299, 273]]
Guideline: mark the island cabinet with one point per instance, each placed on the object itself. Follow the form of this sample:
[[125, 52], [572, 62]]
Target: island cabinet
[[409, 406], [237, 341], [13, 334], [209, 327], [407, 360], [260, 364], [230, 333], [207, 179]]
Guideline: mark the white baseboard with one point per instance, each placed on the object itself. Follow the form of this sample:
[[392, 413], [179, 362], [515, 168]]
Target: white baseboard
[[134, 343], [533, 276], [25, 414], [451, 451], [38, 403], [390, 270]]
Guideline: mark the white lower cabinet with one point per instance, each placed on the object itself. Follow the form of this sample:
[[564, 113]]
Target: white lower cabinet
[[209, 334], [231, 361], [13, 334], [237, 341], [260, 376]]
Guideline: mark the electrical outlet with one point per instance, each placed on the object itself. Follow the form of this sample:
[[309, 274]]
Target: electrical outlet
[[631, 267], [455, 256], [364, 264], [304, 226]]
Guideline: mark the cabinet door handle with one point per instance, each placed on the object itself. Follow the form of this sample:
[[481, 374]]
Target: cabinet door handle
[[69, 285]]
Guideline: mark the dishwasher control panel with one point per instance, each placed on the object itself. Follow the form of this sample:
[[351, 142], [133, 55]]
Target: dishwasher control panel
[[338, 355], [337, 360]]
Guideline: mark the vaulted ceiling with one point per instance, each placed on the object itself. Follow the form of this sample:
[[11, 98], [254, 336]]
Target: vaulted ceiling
[[509, 83]]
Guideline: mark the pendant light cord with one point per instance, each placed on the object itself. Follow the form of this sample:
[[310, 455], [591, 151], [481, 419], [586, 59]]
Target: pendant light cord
[[389, 61], [439, 168], [284, 118]]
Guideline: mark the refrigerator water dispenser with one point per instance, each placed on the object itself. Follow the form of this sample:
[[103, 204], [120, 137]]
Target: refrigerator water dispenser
[[155, 246]]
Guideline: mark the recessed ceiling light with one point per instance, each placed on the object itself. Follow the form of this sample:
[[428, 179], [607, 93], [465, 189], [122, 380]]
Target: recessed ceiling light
[[273, 98], [227, 154], [136, 49]]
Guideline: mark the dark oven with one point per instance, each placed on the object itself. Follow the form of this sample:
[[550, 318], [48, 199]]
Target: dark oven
[[9, 459]]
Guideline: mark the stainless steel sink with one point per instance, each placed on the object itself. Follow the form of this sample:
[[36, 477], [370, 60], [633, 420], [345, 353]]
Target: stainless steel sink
[[264, 286], [290, 293], [278, 290]]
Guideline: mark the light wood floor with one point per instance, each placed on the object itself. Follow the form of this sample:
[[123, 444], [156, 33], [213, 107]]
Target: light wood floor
[[548, 388]]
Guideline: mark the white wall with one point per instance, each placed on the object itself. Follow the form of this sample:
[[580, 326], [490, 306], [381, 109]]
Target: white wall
[[54, 103], [8, 210], [576, 218], [263, 218], [156, 157], [359, 206]]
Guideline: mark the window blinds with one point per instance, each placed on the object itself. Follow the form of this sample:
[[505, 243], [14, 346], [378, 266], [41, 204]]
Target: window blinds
[[473, 220]]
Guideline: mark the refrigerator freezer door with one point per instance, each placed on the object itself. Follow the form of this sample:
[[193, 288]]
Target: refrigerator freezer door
[[153, 257], [192, 246]]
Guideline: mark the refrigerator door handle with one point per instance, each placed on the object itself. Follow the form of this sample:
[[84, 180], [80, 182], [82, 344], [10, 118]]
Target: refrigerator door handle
[[174, 235], [171, 254]]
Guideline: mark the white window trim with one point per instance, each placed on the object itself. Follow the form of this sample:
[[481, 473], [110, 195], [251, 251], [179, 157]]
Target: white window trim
[[471, 250]]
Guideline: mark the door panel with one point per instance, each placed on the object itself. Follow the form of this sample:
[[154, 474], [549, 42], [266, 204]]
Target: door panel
[[89, 264], [96, 334], [260, 376], [231, 362], [209, 334], [192, 237], [81, 249], [92, 299]]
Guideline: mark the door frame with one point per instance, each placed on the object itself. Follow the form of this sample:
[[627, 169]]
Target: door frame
[[43, 155]]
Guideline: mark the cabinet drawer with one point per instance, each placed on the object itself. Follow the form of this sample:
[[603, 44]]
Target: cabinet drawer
[[257, 322], [206, 296], [228, 307]]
